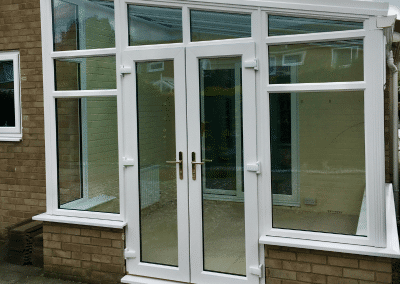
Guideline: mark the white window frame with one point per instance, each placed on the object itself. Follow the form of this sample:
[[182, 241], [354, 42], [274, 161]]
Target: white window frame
[[13, 133], [54, 213], [374, 48]]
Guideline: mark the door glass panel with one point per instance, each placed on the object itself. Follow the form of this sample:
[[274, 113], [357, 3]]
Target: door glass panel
[[222, 171], [157, 178], [205, 25], [316, 62], [154, 25]]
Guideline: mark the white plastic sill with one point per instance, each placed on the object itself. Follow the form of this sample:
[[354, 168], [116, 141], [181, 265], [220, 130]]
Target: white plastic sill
[[392, 249], [87, 203], [79, 221], [10, 137]]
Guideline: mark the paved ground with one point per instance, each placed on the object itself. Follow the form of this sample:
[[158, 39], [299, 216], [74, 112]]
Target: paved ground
[[23, 274]]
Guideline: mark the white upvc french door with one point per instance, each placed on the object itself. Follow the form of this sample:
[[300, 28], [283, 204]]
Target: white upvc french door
[[158, 98], [192, 205], [232, 240]]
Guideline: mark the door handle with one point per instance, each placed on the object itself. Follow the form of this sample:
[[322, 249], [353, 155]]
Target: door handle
[[194, 163], [180, 163]]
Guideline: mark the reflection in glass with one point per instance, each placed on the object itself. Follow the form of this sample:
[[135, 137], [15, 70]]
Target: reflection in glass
[[222, 171], [7, 109], [85, 73], [206, 25], [89, 24], [318, 62], [154, 25], [283, 25], [331, 161], [157, 178], [87, 150]]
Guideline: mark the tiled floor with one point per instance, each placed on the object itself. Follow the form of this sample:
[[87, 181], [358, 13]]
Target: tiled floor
[[23, 274]]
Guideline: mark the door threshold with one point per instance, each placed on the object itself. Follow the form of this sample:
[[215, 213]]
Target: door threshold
[[131, 279]]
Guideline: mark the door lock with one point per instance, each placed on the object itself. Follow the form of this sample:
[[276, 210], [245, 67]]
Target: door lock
[[180, 163]]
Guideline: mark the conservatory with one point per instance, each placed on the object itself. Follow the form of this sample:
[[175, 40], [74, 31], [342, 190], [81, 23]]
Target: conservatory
[[208, 129]]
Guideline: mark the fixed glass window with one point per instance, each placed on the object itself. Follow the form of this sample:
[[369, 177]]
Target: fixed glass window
[[206, 25], [87, 152], [317, 62], [154, 25], [83, 24], [284, 25], [10, 114], [85, 73], [318, 149]]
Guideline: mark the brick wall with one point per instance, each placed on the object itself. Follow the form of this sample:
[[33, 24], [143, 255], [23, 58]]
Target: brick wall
[[294, 265], [83, 253], [22, 164]]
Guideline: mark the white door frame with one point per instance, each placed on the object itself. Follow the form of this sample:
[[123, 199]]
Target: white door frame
[[247, 52], [134, 265]]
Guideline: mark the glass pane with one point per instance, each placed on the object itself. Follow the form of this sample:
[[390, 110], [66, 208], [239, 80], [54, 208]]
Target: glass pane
[[87, 148], [317, 62], [7, 108], [87, 25], [205, 25], [319, 139], [222, 172], [154, 25], [157, 178], [283, 25], [85, 73]]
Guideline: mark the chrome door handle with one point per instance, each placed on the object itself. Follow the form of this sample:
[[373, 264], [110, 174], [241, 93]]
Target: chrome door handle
[[180, 163]]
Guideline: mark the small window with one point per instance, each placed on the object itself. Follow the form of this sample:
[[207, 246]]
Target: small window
[[206, 25], [10, 113], [283, 25]]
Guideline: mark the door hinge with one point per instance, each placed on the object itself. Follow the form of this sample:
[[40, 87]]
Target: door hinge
[[254, 167], [125, 70], [129, 253], [251, 64], [127, 162], [257, 270]]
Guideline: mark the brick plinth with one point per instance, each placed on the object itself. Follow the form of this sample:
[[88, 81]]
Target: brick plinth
[[293, 265], [83, 253]]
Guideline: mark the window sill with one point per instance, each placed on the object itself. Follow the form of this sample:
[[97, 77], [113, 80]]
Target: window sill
[[391, 250], [10, 137], [79, 221]]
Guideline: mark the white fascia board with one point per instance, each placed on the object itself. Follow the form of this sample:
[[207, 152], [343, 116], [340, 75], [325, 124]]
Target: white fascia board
[[79, 221], [392, 249], [366, 8]]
